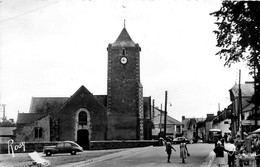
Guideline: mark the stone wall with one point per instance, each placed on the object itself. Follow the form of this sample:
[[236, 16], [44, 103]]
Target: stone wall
[[94, 145]]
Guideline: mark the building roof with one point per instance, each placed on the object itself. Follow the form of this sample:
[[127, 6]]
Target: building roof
[[124, 40], [169, 119], [27, 118], [247, 90], [46, 104]]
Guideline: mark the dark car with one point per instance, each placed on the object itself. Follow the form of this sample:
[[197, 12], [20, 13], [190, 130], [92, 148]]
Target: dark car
[[178, 140], [62, 147]]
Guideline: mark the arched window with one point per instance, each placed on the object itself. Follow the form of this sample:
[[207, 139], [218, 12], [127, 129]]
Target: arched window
[[83, 118]]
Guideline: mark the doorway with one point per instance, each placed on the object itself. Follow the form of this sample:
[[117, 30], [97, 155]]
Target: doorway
[[83, 138]]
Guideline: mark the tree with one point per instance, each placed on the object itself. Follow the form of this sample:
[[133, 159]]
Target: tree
[[238, 36], [238, 32], [7, 123]]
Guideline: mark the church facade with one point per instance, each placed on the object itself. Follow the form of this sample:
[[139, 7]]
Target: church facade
[[122, 114]]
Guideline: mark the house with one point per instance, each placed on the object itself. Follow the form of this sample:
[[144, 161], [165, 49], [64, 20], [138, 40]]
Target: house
[[243, 121], [208, 125], [173, 126], [122, 114], [192, 127], [223, 121]]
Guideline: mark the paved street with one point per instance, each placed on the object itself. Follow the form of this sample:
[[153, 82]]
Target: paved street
[[155, 156]]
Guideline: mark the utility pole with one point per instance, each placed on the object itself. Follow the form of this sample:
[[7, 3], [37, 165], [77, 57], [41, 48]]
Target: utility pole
[[165, 115], [255, 100], [240, 108], [3, 105], [160, 120], [153, 109]]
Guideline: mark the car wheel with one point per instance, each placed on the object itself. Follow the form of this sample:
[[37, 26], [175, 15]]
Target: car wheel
[[73, 152], [48, 153]]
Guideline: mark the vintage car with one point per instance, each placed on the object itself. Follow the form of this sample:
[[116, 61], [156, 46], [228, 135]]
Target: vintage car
[[178, 140], [62, 147]]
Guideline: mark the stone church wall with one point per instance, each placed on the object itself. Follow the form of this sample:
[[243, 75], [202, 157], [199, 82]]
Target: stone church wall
[[27, 133], [68, 114]]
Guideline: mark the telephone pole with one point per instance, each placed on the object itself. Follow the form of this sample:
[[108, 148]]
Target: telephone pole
[[165, 115], [255, 90], [3, 105], [160, 120], [240, 108]]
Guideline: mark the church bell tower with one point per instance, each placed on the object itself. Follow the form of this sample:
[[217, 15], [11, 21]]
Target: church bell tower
[[124, 90]]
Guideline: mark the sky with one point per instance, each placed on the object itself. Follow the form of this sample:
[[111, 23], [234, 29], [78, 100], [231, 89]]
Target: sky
[[49, 48]]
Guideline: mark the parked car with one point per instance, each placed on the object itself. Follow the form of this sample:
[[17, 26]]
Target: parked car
[[62, 147], [178, 140]]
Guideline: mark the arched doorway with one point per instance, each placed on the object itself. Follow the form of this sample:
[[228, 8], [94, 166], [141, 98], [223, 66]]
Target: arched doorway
[[83, 138]]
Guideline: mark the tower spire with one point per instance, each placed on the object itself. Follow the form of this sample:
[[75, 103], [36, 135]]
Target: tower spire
[[124, 23]]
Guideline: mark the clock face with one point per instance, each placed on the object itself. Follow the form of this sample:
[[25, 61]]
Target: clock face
[[123, 60]]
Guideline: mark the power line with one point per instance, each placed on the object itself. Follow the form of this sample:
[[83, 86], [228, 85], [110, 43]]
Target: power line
[[30, 11]]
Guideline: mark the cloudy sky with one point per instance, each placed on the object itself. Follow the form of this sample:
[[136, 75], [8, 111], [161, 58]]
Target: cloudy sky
[[49, 48]]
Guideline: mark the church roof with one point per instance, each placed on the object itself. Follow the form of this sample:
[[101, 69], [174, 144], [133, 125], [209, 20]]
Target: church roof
[[26, 118], [124, 40], [46, 104]]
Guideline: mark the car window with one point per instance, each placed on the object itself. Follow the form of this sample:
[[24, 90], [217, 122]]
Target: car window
[[60, 145], [75, 145], [67, 144]]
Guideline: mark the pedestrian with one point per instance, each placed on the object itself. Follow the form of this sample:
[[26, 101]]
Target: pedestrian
[[222, 140], [257, 150], [168, 149], [225, 137], [183, 151], [219, 151], [228, 138], [231, 153]]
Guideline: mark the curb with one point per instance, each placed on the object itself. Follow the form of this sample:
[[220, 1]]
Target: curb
[[209, 160], [105, 157]]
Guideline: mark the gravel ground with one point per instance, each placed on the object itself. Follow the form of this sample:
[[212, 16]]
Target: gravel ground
[[22, 159]]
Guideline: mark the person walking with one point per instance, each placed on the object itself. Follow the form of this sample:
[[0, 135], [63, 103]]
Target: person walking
[[168, 149], [183, 151], [219, 151], [231, 154]]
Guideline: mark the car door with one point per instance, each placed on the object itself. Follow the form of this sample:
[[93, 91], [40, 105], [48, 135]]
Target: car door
[[67, 147], [60, 147]]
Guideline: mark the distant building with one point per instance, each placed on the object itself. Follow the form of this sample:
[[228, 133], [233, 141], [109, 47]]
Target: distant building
[[191, 127], [243, 121], [122, 114], [6, 133], [223, 121], [208, 125], [173, 126]]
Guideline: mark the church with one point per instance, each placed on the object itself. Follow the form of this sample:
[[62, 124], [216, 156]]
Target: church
[[122, 114]]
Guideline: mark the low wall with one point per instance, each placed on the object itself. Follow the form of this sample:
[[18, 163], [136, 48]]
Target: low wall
[[94, 145], [99, 145]]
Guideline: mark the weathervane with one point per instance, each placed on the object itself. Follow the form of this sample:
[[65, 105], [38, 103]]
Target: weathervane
[[124, 7]]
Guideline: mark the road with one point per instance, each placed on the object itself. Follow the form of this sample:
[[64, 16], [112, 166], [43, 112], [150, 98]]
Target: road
[[156, 156]]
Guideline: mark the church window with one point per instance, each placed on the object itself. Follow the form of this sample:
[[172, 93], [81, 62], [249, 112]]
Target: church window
[[123, 52], [38, 133], [83, 118]]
